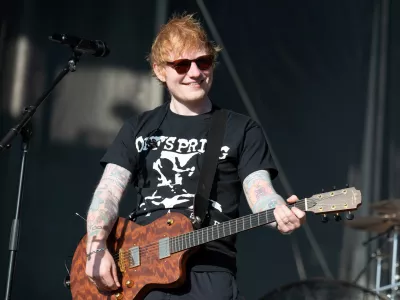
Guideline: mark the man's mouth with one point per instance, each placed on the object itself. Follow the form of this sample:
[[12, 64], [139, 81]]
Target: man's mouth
[[194, 83]]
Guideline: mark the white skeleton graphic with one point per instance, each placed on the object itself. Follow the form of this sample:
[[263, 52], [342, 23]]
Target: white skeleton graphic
[[180, 164]]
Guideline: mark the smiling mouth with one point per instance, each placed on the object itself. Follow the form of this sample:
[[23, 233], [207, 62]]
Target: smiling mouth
[[194, 83]]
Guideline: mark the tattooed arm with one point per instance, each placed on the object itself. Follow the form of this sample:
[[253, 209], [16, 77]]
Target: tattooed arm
[[260, 193], [103, 211], [261, 196]]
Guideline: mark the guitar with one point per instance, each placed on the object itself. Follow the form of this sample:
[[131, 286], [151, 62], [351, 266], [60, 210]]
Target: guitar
[[154, 256]]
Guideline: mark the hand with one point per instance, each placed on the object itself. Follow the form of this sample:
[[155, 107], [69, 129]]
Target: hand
[[289, 219], [102, 271]]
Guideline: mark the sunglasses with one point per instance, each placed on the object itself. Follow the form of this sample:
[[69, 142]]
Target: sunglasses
[[182, 66]]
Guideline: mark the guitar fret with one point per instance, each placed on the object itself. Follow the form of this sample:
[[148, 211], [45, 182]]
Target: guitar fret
[[236, 226], [221, 230]]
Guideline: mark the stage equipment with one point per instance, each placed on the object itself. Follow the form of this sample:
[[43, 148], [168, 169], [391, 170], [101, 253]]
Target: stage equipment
[[24, 127], [322, 289]]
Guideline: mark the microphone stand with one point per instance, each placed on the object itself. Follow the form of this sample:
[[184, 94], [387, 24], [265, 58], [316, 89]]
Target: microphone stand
[[375, 255], [24, 127]]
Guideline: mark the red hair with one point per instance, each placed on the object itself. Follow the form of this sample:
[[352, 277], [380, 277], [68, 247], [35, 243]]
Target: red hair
[[181, 34]]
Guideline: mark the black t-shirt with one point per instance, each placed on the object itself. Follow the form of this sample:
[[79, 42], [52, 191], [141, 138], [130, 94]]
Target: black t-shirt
[[166, 175]]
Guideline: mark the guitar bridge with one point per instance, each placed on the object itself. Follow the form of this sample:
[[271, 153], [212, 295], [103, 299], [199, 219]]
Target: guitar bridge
[[121, 261]]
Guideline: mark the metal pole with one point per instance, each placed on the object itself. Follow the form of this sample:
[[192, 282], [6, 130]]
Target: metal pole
[[378, 271], [394, 262]]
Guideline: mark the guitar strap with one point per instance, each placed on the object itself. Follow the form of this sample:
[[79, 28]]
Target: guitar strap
[[209, 167]]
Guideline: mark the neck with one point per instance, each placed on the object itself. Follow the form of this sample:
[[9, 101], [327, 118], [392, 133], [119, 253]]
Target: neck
[[190, 109]]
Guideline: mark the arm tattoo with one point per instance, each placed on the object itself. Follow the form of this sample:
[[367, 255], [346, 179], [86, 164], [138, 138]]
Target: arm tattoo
[[259, 191], [103, 211]]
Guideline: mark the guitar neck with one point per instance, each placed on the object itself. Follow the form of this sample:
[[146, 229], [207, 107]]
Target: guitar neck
[[224, 229]]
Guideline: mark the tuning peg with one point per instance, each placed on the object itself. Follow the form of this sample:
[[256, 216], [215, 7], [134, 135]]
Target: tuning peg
[[337, 217], [324, 219], [350, 216]]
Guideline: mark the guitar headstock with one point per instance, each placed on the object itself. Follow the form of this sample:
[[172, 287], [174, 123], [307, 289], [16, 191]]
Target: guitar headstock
[[335, 201]]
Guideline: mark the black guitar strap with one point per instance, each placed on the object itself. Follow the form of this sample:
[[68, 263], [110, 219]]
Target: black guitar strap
[[209, 167]]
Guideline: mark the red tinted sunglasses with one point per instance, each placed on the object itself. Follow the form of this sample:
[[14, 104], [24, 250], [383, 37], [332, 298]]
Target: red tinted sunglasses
[[182, 66]]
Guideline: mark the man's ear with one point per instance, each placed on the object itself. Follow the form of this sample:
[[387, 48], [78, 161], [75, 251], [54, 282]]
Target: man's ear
[[160, 72]]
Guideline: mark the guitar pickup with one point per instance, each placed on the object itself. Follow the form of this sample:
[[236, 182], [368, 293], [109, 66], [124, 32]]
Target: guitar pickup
[[163, 248], [134, 257]]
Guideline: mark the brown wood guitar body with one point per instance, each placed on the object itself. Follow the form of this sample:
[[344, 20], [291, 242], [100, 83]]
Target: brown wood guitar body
[[152, 272]]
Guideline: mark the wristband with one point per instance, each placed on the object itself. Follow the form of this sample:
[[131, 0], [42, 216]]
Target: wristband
[[95, 251]]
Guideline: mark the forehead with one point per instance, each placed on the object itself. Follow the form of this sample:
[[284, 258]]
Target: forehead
[[188, 54]]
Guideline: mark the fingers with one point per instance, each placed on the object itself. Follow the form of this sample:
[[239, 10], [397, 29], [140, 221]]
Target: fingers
[[115, 275], [292, 199], [108, 282], [102, 272], [288, 219], [299, 214]]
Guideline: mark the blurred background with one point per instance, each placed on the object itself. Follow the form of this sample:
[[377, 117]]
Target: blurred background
[[321, 77]]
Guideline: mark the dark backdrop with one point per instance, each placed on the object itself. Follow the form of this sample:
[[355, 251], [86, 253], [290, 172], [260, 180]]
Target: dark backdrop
[[304, 65]]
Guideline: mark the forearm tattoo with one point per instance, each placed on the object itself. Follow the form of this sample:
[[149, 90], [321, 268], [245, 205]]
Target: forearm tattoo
[[259, 191], [103, 211]]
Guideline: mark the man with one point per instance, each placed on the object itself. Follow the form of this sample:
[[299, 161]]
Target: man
[[161, 152]]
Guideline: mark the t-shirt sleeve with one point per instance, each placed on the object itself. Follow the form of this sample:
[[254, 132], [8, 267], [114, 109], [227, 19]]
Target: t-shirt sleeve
[[255, 154], [122, 151]]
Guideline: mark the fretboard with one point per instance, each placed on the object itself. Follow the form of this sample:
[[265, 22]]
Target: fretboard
[[224, 229]]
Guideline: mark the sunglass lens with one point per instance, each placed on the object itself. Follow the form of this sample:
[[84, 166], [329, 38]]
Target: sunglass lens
[[182, 67], [204, 63]]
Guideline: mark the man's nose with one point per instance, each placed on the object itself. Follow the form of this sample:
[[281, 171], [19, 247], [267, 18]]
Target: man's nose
[[194, 70]]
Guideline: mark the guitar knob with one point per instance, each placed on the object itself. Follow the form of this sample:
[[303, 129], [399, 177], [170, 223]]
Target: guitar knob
[[322, 190], [347, 186], [337, 217], [334, 188], [119, 296], [350, 216], [324, 219], [129, 283]]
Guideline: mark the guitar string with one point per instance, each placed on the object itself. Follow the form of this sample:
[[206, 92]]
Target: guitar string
[[181, 239], [187, 237]]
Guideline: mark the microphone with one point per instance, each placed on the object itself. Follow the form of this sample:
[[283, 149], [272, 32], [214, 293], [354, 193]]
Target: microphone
[[93, 47]]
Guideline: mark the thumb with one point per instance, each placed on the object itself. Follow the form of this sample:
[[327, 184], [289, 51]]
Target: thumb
[[292, 199], [114, 274]]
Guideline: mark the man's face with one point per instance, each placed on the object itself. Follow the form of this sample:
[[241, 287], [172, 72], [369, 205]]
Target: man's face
[[191, 86]]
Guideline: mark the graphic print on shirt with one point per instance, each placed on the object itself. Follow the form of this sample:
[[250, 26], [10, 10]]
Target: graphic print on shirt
[[175, 165]]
